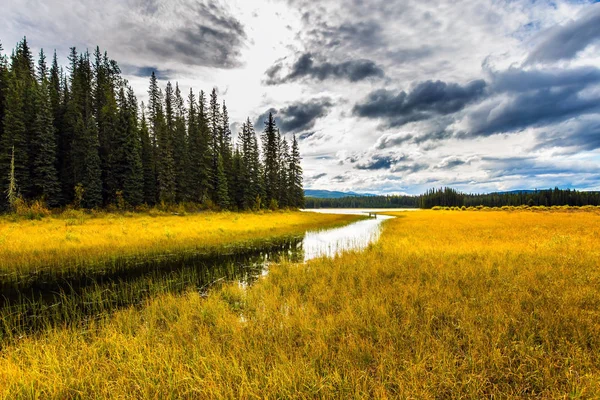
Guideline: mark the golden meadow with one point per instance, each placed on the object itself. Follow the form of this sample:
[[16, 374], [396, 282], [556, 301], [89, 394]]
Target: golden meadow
[[448, 304]]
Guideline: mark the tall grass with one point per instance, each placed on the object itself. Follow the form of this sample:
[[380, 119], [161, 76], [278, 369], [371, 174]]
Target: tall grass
[[75, 243], [446, 305]]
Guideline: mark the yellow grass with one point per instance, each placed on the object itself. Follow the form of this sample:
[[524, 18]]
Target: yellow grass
[[448, 304], [77, 238]]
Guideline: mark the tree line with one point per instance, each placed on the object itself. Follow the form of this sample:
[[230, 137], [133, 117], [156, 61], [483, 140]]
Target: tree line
[[448, 197], [79, 137]]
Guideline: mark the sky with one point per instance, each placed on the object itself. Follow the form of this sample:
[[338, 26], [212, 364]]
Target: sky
[[385, 96]]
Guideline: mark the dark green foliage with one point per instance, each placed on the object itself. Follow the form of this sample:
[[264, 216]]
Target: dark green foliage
[[270, 139], [91, 179], [148, 164], [161, 129], [180, 150], [14, 139], [77, 139], [222, 192], [44, 176], [215, 127], [3, 88], [295, 176]]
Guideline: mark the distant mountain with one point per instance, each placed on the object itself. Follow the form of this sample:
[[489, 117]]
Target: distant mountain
[[328, 194], [519, 191]]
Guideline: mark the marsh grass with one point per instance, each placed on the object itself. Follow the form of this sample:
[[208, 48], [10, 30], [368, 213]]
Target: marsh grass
[[36, 299], [77, 244], [446, 305]]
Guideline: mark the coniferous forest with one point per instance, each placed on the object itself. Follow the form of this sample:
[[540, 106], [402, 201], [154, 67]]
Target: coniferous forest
[[77, 136]]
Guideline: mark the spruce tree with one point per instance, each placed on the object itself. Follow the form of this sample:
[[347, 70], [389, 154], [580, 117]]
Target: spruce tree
[[205, 157], [148, 164], [44, 175], [133, 183], [13, 143], [271, 162], [283, 172], [215, 121], [295, 176], [4, 74], [222, 192], [180, 150], [92, 177], [164, 165]]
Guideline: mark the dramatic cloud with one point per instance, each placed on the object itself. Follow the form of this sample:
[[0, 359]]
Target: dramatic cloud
[[305, 66], [563, 42], [427, 99], [581, 134], [535, 98], [297, 117], [209, 37], [384, 95]]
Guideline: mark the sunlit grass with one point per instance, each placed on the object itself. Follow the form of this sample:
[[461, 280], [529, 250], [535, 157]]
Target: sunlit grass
[[447, 304], [75, 240]]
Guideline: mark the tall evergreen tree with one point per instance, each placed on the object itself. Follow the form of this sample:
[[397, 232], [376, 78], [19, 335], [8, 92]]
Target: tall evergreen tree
[[180, 150], [92, 176], [222, 192], [148, 164], [271, 161], [295, 176], [164, 164], [13, 144], [133, 182], [215, 121], [44, 176], [283, 173], [3, 90], [206, 155]]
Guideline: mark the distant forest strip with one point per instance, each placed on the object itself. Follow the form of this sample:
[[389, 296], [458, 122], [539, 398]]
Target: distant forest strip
[[79, 138], [448, 197]]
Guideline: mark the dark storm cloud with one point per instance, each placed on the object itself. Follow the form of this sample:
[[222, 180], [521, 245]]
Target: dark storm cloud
[[377, 162], [205, 35], [535, 98], [145, 72], [581, 134], [297, 117], [305, 67], [396, 162], [564, 42], [427, 99], [319, 176]]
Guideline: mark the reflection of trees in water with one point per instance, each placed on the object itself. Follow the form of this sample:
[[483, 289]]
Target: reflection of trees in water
[[27, 307]]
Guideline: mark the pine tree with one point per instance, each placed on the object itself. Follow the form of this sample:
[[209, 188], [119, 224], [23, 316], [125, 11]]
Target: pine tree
[[44, 175], [271, 160], [13, 144], [205, 157], [222, 192], [295, 176], [148, 164], [180, 150], [92, 176], [3, 89], [133, 184], [226, 149], [283, 172], [215, 121]]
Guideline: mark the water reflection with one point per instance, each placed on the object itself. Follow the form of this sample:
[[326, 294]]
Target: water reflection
[[26, 307], [332, 242]]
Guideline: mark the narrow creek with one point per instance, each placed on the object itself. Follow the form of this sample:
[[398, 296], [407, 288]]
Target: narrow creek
[[41, 304]]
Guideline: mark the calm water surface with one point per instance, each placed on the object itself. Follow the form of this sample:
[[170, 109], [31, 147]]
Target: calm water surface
[[34, 306]]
